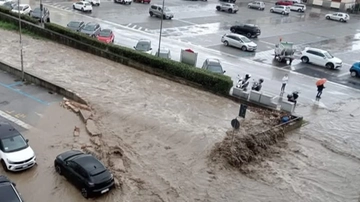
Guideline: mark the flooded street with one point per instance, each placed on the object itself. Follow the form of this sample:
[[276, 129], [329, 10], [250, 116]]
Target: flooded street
[[157, 135]]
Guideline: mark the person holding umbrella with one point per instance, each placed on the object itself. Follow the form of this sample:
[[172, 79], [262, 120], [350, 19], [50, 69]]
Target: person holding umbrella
[[320, 87]]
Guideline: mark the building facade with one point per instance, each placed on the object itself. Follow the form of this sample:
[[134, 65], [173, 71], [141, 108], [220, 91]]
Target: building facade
[[342, 5]]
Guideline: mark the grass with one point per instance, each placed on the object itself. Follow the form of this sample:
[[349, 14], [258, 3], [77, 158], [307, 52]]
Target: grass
[[12, 27]]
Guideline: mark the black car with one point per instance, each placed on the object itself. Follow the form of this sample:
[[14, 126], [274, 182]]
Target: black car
[[8, 190], [248, 30], [36, 13], [9, 5], [85, 171], [76, 25]]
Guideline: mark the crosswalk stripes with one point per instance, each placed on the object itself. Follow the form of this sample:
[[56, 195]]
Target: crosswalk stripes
[[69, 8]]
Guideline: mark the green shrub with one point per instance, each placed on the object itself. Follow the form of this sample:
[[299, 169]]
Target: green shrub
[[23, 17]]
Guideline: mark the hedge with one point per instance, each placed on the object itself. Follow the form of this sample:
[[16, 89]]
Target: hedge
[[216, 83]]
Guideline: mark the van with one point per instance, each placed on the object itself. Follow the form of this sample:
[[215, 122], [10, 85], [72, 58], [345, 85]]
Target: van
[[298, 7], [156, 10]]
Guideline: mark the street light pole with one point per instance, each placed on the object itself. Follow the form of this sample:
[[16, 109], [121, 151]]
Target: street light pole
[[161, 25], [21, 46], [42, 13]]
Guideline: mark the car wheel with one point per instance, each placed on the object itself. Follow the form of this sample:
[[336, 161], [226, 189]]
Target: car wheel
[[4, 166], [226, 43], [248, 35], [299, 10], [58, 169], [151, 13], [129, 3], [112, 41], [260, 8], [48, 20], [341, 20], [271, 10], [330, 65], [235, 11], [276, 4], [74, 7], [97, 4], [353, 73], [230, 10], [305, 59], [84, 193], [327, 17], [243, 48], [164, 17], [283, 13], [82, 9], [249, 6], [218, 8]]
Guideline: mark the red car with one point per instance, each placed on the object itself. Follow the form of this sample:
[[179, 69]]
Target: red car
[[284, 3], [106, 35]]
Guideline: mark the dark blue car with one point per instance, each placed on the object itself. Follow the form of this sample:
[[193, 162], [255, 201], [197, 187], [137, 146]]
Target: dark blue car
[[355, 70]]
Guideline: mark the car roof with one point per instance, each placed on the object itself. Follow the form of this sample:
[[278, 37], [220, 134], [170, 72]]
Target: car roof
[[7, 130], [4, 179], [234, 34], [106, 30], [314, 49], [144, 40], [340, 13], [88, 162], [92, 23], [213, 60]]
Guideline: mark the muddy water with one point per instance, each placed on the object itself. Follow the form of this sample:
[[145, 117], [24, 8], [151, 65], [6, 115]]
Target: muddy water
[[157, 135]]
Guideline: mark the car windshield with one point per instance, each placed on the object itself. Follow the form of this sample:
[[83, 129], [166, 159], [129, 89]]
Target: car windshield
[[36, 10], [328, 55], [74, 24], [246, 40], [14, 143], [87, 4], [166, 9], [215, 68], [89, 27], [105, 33], [18, 8], [143, 46], [9, 193]]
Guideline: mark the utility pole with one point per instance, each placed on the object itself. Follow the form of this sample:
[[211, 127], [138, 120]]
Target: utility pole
[[161, 25], [21, 46], [42, 14]]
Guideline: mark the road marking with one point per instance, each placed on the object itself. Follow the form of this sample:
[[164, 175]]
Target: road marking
[[15, 120], [39, 114], [343, 74], [187, 22], [134, 26], [15, 84], [265, 42], [139, 28]]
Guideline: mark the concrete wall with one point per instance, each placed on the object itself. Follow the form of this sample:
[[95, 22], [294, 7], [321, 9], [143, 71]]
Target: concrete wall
[[42, 82]]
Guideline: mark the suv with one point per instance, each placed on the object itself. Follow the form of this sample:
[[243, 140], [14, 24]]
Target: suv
[[15, 153], [355, 69], [36, 14], [249, 30], [320, 57], [257, 5], [8, 190], [231, 8], [298, 7], [156, 10], [284, 10]]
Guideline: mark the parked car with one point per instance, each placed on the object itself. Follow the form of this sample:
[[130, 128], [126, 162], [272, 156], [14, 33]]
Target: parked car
[[82, 6], [238, 41], [284, 3], [355, 70], [4, 1], [143, 45], [24, 9], [15, 152], [142, 1], [213, 65], [44, 17], [106, 35], [93, 2], [76, 25], [298, 7], [91, 29], [298, 1], [342, 17], [84, 171], [123, 1], [164, 53], [257, 5], [249, 30], [228, 1], [156, 10], [231, 8], [8, 191], [320, 57], [9, 5], [284, 10]]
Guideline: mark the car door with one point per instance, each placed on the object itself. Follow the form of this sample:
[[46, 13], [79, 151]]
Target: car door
[[277, 9], [333, 16], [316, 58], [322, 59], [71, 174], [240, 30], [339, 16]]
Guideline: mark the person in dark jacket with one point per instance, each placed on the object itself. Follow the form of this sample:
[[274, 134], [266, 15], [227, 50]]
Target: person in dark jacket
[[320, 88]]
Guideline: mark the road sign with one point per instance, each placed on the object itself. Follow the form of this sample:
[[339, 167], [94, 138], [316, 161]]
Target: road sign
[[235, 124], [242, 111]]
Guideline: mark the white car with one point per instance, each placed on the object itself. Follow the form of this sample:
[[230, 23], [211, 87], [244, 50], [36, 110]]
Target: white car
[[298, 7], [123, 1], [320, 57], [15, 153], [143, 45], [25, 9], [257, 5], [239, 41], [284, 10], [4, 1], [83, 6], [93, 2], [342, 17]]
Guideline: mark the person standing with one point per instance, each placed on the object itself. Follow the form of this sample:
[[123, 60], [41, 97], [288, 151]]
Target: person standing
[[320, 88], [285, 79]]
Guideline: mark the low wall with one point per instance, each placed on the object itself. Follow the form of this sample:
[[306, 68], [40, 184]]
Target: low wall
[[43, 83]]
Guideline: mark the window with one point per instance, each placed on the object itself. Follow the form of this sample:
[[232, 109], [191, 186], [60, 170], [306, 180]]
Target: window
[[153, 7], [72, 165]]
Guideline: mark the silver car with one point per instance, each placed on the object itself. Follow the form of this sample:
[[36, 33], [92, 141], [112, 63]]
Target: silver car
[[143, 45], [213, 65], [156, 10], [284, 10], [257, 5], [342, 17], [238, 41], [231, 8]]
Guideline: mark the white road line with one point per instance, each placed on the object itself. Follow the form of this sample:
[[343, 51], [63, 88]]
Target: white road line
[[128, 25], [265, 42], [15, 120], [134, 26], [139, 28], [187, 22], [343, 74]]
